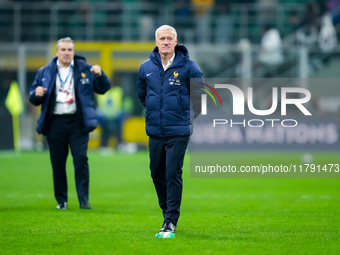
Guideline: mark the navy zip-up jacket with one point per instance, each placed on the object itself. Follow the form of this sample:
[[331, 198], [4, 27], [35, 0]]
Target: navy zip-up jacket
[[168, 95], [85, 84]]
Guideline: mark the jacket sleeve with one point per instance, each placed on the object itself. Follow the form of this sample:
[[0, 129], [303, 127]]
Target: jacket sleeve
[[36, 83], [141, 86], [196, 83], [101, 83]]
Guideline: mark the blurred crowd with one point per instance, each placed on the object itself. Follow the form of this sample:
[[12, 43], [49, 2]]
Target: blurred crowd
[[316, 30], [197, 21], [271, 25]]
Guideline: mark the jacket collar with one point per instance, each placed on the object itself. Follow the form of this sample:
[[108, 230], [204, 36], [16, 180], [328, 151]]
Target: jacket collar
[[181, 56]]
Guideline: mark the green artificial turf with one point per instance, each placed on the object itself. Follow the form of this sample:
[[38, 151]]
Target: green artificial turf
[[218, 215]]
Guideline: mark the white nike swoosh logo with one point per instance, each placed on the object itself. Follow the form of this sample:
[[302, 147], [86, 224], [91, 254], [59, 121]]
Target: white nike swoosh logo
[[43, 79], [148, 74]]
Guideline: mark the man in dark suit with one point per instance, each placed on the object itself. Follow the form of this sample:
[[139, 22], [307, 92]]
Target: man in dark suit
[[65, 90]]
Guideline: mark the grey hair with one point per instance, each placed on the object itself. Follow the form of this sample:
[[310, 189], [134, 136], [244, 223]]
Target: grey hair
[[65, 39], [166, 27]]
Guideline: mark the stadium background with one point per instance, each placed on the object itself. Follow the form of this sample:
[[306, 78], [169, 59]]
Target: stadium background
[[223, 37], [218, 215]]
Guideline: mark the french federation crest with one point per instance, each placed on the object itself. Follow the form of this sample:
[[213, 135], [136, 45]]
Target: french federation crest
[[84, 80], [175, 80]]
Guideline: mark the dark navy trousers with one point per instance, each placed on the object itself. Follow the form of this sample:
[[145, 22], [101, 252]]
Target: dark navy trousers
[[65, 132], [166, 162]]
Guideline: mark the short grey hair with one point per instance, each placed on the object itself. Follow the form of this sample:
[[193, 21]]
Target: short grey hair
[[166, 27], [65, 39]]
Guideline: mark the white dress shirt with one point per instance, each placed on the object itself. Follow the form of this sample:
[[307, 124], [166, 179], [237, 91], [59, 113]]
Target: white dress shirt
[[65, 73], [169, 62]]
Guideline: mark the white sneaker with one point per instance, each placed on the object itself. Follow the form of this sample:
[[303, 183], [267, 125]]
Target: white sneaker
[[62, 206]]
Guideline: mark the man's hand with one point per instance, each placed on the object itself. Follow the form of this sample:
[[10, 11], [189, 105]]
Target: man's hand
[[40, 91], [96, 70]]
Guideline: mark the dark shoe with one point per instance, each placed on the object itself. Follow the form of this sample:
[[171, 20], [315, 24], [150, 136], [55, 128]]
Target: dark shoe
[[62, 206], [169, 227], [85, 205], [163, 227]]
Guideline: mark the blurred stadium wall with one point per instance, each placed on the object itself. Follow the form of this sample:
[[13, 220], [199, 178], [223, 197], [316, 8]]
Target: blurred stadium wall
[[223, 37]]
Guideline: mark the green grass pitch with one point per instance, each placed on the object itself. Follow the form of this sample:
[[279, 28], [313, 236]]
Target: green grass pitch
[[218, 216]]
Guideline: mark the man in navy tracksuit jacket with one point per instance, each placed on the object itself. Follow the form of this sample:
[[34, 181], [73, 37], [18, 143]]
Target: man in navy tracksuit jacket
[[165, 90], [65, 90]]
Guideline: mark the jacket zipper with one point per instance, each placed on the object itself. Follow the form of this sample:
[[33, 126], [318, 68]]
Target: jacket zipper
[[161, 108]]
